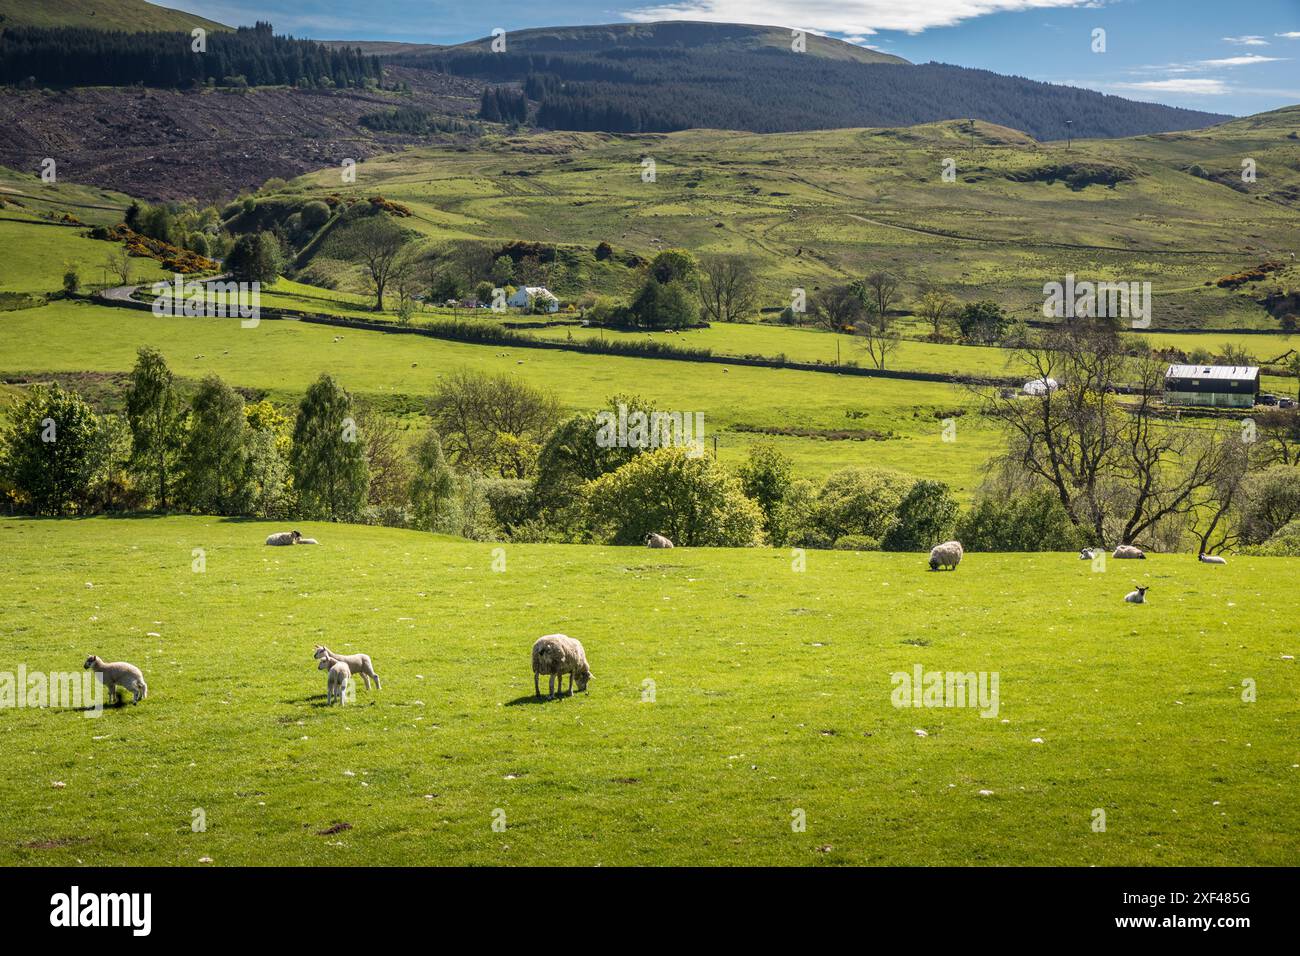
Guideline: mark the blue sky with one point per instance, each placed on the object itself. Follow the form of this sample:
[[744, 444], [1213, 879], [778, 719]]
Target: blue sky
[[1226, 57]]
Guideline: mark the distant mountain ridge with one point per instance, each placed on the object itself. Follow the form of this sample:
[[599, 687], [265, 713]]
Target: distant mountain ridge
[[663, 77]]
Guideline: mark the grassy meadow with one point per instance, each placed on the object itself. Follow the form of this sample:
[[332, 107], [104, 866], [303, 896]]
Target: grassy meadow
[[771, 693], [816, 208], [741, 405]]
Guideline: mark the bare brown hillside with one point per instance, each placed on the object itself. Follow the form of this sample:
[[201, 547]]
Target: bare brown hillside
[[209, 145]]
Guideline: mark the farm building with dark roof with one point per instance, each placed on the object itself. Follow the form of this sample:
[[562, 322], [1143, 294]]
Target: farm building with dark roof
[[1221, 386]]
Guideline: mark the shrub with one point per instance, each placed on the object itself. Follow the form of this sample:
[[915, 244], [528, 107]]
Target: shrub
[[857, 542], [925, 517], [1035, 521], [858, 501], [693, 501]]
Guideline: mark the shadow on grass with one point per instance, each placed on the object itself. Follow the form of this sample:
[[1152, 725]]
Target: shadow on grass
[[534, 699]]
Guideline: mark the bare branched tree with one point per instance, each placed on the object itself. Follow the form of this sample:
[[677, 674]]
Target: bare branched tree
[[727, 287], [836, 309], [1120, 468], [376, 242]]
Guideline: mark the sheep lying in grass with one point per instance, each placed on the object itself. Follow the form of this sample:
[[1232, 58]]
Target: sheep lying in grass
[[1137, 597], [308, 541], [283, 538], [1211, 558], [946, 555], [556, 655], [1087, 554], [1129, 551], [653, 540], [357, 663], [336, 681], [120, 674]]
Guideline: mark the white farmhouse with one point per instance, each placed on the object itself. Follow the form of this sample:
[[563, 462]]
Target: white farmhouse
[[525, 296]]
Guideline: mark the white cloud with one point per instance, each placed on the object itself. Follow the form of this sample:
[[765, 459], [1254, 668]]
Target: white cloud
[[1246, 41], [1199, 87], [857, 17], [1293, 35], [1247, 60]]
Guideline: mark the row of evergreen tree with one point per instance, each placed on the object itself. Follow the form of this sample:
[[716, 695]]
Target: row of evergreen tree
[[503, 104], [769, 90], [253, 56]]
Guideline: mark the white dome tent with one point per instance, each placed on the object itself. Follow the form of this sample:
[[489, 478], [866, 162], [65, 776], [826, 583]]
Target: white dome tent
[[1041, 386]]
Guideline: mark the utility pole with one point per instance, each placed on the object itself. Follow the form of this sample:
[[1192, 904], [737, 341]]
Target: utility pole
[[1068, 125]]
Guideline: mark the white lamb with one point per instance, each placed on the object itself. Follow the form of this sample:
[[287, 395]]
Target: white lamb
[[1137, 597], [336, 681], [556, 655], [1129, 551], [120, 674], [283, 538], [946, 555], [653, 540], [308, 541], [357, 663], [1211, 558], [1087, 554]]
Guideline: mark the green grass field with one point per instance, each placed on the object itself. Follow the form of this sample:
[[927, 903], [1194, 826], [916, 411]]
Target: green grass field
[[818, 207], [772, 694], [741, 405]]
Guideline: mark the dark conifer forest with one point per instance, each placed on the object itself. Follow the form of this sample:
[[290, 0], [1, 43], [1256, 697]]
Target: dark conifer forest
[[634, 90], [249, 56]]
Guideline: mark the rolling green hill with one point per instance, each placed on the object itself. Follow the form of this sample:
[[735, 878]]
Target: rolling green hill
[[131, 16], [822, 207]]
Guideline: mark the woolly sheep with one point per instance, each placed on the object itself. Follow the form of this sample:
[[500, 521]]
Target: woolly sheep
[[1129, 551], [1087, 554], [336, 681], [946, 555], [1211, 559], [120, 674], [556, 655], [357, 663], [283, 538], [1137, 597], [653, 540]]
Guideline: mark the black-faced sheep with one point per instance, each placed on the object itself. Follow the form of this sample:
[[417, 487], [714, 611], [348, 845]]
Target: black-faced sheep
[[357, 663], [556, 655], [1137, 597], [281, 538], [120, 674], [946, 555], [653, 540]]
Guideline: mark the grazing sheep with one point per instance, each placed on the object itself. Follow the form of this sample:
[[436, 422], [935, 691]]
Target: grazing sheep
[[121, 674], [1137, 597], [1211, 558], [556, 655], [1129, 551], [336, 681], [653, 540], [357, 663], [946, 555], [283, 538]]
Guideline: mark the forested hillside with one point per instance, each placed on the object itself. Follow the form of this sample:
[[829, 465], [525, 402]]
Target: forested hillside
[[249, 56], [767, 91]]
